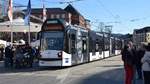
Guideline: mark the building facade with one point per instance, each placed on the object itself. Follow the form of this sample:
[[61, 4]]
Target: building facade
[[69, 14], [141, 36]]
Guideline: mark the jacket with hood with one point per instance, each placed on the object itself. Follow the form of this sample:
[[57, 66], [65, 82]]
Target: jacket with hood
[[146, 61]]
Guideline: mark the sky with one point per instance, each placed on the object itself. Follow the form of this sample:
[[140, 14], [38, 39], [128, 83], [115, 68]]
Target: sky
[[123, 15]]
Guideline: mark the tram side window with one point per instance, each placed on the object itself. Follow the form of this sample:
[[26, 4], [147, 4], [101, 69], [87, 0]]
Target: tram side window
[[92, 45], [84, 46], [66, 47], [116, 46], [106, 44], [38, 35], [113, 46], [97, 46], [72, 43], [100, 46], [120, 44]]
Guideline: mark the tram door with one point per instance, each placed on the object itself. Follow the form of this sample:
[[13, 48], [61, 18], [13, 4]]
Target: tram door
[[85, 49], [73, 48], [79, 46]]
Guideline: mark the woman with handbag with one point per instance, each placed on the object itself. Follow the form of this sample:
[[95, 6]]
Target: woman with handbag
[[146, 65]]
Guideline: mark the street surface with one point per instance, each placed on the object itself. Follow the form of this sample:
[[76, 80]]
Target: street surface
[[105, 71]]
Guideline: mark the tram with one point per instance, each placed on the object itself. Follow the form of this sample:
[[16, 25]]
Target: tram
[[62, 44]]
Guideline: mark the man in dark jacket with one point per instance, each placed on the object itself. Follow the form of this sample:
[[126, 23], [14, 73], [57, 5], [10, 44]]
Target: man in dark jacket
[[1, 52], [128, 54], [140, 54], [8, 56], [29, 51]]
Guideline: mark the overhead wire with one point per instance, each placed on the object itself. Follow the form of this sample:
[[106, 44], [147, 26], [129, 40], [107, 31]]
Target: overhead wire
[[63, 2], [110, 13], [105, 8]]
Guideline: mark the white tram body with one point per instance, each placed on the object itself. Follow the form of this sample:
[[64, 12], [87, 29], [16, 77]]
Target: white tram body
[[67, 45]]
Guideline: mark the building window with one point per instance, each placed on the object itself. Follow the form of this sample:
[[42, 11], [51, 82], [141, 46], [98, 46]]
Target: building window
[[52, 16], [57, 16], [62, 15], [147, 34]]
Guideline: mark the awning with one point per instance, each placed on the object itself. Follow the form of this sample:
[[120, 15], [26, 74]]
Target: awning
[[19, 26]]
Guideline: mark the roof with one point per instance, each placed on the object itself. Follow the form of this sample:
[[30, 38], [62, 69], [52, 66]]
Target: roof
[[51, 10], [18, 21], [72, 10], [19, 26], [21, 14], [145, 29]]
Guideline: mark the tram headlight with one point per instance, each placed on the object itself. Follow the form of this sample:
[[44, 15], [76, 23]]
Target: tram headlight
[[59, 54]]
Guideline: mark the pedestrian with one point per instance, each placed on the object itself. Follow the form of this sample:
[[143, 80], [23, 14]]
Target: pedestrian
[[19, 57], [29, 51], [37, 53], [128, 59], [1, 51], [140, 54], [8, 56], [146, 65]]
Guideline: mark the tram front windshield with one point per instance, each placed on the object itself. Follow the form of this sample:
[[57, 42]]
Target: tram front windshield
[[52, 40]]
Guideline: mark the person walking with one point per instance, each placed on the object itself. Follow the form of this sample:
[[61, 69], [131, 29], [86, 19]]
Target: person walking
[[19, 57], [146, 65], [128, 59], [140, 54], [8, 56], [29, 52], [1, 52]]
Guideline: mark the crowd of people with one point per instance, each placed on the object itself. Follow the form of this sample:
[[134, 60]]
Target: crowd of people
[[136, 60], [19, 56]]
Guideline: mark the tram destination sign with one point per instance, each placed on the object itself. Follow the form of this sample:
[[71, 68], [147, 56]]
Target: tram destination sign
[[52, 22]]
